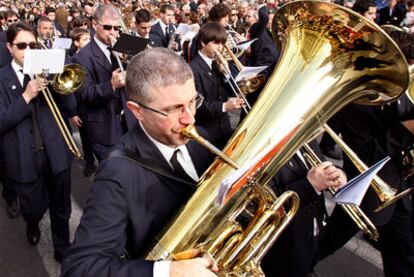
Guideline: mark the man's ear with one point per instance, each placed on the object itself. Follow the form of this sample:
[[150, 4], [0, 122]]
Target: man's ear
[[135, 109]]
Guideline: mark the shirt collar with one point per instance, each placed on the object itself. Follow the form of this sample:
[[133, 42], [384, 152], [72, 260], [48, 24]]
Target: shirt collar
[[16, 67], [101, 45], [208, 61], [166, 151]]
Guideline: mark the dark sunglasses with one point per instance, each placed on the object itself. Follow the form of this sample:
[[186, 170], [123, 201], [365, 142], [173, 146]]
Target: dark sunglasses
[[23, 45], [110, 27], [234, 14], [85, 24], [12, 20]]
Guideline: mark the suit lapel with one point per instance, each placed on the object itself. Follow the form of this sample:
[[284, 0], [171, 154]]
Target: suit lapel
[[207, 71], [101, 59], [15, 89]]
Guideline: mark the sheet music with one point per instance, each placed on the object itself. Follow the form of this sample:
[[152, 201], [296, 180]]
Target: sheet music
[[354, 191], [249, 72], [244, 45], [62, 43], [183, 29], [35, 61]]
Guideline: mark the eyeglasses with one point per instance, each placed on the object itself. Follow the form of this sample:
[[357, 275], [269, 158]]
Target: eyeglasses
[[12, 20], [23, 45], [234, 14], [177, 110], [110, 27]]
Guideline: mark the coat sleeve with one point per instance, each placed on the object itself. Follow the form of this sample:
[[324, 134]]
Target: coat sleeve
[[102, 235]]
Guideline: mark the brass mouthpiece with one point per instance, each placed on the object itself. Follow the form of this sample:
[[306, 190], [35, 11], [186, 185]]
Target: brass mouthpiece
[[190, 132]]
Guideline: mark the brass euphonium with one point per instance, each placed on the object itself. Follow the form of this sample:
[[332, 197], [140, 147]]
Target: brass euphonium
[[330, 56]]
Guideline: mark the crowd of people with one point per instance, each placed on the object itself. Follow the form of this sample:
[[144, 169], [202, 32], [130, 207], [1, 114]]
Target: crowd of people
[[130, 112]]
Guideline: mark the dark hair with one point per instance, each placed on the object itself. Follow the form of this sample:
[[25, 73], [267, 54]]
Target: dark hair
[[193, 16], [142, 16], [79, 20], [76, 33], [405, 41], [211, 31], [14, 30], [50, 10], [166, 7], [43, 19], [219, 11], [361, 6], [11, 13]]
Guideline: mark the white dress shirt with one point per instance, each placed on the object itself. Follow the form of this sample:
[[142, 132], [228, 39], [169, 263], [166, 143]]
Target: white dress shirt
[[104, 48]]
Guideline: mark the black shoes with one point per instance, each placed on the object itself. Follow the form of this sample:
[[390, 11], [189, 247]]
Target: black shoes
[[89, 169], [33, 233], [13, 209], [58, 257]]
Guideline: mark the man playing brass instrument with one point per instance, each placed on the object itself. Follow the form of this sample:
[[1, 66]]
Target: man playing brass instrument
[[130, 203]]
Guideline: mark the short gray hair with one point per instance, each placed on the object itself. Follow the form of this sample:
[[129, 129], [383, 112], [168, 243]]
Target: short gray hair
[[106, 9], [158, 67]]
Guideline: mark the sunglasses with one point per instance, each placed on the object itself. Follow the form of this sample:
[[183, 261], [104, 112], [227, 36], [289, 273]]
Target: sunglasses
[[110, 27], [12, 20], [23, 45], [85, 24]]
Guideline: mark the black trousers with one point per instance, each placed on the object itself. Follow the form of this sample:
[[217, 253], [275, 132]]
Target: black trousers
[[49, 191], [396, 244], [9, 191], [86, 145]]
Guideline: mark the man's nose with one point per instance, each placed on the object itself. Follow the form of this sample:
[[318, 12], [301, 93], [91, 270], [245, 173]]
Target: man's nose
[[187, 117]]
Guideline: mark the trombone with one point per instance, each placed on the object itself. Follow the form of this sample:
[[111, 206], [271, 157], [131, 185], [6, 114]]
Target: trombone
[[251, 84], [235, 88], [385, 193], [67, 82], [355, 212]]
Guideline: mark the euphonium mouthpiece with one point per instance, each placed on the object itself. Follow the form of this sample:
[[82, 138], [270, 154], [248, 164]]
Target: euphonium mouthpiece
[[190, 132]]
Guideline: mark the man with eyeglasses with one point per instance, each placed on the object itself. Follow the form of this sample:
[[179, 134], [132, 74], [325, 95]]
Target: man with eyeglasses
[[103, 93], [36, 157], [144, 181]]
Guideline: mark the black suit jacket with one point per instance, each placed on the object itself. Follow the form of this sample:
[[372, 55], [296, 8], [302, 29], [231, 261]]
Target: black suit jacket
[[263, 50], [294, 250], [374, 133], [395, 17], [103, 124], [17, 130], [210, 115], [127, 206], [156, 31], [5, 57]]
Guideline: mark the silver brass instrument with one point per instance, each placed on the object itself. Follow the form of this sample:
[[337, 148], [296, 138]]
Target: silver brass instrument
[[321, 69], [355, 212], [232, 83], [67, 82]]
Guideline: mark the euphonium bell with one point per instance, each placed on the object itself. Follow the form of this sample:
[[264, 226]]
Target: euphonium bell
[[330, 56]]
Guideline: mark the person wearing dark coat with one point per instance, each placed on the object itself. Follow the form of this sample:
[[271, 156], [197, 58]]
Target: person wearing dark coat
[[164, 29], [103, 94], [130, 203], [37, 159], [143, 28], [218, 98], [296, 250]]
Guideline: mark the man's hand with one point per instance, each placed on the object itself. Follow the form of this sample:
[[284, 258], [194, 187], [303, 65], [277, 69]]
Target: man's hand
[[118, 79], [233, 103], [33, 88], [200, 267], [326, 175], [75, 120]]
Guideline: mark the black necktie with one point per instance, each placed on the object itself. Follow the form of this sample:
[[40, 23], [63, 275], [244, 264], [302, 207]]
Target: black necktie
[[177, 166], [114, 61], [34, 115]]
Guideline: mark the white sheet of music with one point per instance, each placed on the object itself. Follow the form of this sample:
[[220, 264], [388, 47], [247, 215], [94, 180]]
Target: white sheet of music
[[36, 61], [249, 72], [354, 191]]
